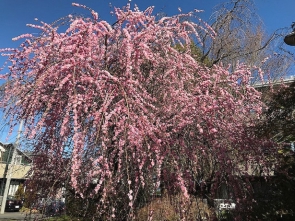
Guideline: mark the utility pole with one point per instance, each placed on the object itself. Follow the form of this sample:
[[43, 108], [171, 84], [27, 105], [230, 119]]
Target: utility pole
[[10, 168]]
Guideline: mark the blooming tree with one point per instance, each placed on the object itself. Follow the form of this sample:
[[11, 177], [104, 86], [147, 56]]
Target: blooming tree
[[116, 110]]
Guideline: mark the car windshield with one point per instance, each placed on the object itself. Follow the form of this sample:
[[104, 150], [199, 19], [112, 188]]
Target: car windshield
[[10, 197]]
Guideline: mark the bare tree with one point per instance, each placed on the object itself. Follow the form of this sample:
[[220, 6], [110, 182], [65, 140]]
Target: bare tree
[[240, 37]]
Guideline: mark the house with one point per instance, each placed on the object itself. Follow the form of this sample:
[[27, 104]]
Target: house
[[21, 166]]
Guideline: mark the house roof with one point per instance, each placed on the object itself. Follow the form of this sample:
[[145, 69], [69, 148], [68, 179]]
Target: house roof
[[6, 147], [289, 80]]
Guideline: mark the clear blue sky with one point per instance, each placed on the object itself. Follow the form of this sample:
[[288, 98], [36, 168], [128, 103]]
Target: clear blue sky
[[15, 14]]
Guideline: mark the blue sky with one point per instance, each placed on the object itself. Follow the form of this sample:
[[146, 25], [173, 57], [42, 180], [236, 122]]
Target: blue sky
[[15, 14]]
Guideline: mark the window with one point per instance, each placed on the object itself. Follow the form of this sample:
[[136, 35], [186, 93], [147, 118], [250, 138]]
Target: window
[[18, 159]]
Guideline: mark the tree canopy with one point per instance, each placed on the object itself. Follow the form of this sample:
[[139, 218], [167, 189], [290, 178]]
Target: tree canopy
[[277, 124], [118, 104], [279, 118]]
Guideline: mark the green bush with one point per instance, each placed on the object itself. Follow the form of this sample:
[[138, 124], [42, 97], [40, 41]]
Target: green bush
[[20, 192]]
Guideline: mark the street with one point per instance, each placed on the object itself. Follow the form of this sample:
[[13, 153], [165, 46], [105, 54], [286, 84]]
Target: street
[[18, 216]]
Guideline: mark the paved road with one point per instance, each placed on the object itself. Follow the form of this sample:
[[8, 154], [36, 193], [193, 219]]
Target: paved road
[[9, 216]]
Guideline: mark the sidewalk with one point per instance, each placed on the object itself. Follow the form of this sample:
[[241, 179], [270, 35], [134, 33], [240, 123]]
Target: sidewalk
[[19, 216]]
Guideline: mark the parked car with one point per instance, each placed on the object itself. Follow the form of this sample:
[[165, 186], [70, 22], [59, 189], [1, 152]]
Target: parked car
[[12, 204]]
